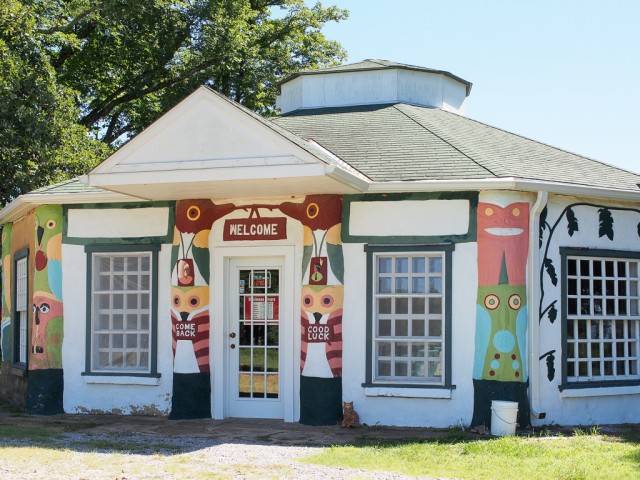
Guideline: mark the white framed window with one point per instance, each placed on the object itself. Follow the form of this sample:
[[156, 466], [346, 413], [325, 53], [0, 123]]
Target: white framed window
[[601, 305], [122, 304], [409, 318], [22, 293]]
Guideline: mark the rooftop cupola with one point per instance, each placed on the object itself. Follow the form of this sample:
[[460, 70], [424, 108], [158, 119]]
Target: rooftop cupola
[[373, 82]]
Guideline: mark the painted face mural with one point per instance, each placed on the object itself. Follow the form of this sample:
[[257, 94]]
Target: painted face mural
[[322, 331], [190, 329], [46, 345], [501, 329], [502, 232], [499, 368]]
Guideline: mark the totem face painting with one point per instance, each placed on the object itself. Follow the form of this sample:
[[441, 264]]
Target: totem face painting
[[502, 233]]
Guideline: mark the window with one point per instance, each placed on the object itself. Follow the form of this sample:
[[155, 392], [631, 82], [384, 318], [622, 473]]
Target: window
[[21, 303], [122, 316], [409, 315], [601, 305]]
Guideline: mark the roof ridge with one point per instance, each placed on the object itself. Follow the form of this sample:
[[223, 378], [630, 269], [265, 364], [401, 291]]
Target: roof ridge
[[395, 106], [524, 137]]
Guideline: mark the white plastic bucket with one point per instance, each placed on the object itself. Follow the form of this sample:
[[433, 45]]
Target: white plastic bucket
[[503, 417]]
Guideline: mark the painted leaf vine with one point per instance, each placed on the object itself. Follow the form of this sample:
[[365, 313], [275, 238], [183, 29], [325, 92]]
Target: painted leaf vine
[[605, 228], [572, 222], [606, 223], [551, 271]]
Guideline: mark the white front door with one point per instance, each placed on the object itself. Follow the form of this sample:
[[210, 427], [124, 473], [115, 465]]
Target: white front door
[[256, 323]]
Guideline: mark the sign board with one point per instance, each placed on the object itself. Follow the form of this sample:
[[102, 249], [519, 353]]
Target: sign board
[[261, 228], [258, 309]]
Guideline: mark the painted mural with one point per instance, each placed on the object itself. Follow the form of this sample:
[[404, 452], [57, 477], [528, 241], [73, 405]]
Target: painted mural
[[499, 369], [5, 319], [322, 301], [46, 332]]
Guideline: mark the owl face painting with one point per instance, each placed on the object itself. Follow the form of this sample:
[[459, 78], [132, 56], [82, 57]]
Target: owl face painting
[[320, 300], [185, 300], [501, 333]]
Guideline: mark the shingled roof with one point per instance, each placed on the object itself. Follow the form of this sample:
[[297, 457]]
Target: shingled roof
[[401, 142]]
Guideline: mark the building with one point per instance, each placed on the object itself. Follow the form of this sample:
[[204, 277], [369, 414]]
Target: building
[[371, 244]]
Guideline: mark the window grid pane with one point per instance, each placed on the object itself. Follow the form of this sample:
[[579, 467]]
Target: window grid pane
[[409, 318], [21, 307], [121, 311], [602, 319]]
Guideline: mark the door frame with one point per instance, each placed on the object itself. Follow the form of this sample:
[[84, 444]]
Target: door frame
[[290, 337]]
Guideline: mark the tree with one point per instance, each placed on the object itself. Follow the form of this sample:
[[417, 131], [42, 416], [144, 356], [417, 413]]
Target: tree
[[40, 139], [111, 67]]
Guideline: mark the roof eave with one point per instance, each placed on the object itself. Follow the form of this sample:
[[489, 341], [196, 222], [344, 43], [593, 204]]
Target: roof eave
[[23, 204], [507, 183]]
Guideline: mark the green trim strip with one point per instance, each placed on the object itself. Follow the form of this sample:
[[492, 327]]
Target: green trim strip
[[448, 249], [470, 236], [153, 360], [590, 253], [167, 238]]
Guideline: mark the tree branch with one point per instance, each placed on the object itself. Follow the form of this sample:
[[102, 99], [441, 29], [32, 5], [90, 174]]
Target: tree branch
[[69, 26]]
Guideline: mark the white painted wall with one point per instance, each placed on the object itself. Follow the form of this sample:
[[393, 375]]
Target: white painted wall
[[117, 222], [127, 395], [407, 411], [583, 406], [372, 87], [409, 217]]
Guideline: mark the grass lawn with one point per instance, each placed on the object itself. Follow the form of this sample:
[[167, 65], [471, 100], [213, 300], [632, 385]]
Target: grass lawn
[[583, 455]]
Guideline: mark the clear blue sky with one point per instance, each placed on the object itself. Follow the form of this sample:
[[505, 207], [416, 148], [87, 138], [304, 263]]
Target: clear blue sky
[[563, 72]]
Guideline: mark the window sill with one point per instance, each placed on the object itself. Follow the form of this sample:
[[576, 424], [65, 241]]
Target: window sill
[[600, 391], [408, 391], [115, 379]]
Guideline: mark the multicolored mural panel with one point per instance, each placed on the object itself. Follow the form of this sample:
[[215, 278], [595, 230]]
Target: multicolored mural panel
[[499, 370], [5, 319]]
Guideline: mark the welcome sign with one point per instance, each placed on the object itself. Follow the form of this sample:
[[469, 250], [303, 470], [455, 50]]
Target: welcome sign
[[261, 228]]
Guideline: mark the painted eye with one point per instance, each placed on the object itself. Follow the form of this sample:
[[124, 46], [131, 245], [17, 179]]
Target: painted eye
[[313, 210], [176, 300], [51, 224], [193, 213], [491, 301], [194, 301], [488, 212], [35, 308], [515, 212], [44, 308], [307, 300], [327, 301], [515, 302]]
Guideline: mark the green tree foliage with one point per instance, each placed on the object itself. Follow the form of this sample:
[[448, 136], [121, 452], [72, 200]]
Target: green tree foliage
[[40, 139], [112, 67]]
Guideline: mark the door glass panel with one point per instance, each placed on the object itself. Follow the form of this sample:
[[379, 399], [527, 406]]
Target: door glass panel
[[258, 333]]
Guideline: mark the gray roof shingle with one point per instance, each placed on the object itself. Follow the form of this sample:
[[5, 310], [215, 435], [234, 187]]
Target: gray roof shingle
[[406, 142]]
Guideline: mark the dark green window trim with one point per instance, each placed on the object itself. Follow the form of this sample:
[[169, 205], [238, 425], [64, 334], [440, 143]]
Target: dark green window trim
[[590, 253], [448, 249], [167, 238], [153, 356], [21, 367], [470, 236]]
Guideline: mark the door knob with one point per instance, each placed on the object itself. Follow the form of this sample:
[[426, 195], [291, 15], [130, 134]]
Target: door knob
[[232, 346], [232, 335]]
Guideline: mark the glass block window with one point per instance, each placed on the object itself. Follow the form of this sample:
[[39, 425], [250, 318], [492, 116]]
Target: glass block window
[[602, 318], [21, 308], [409, 317], [121, 313]]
